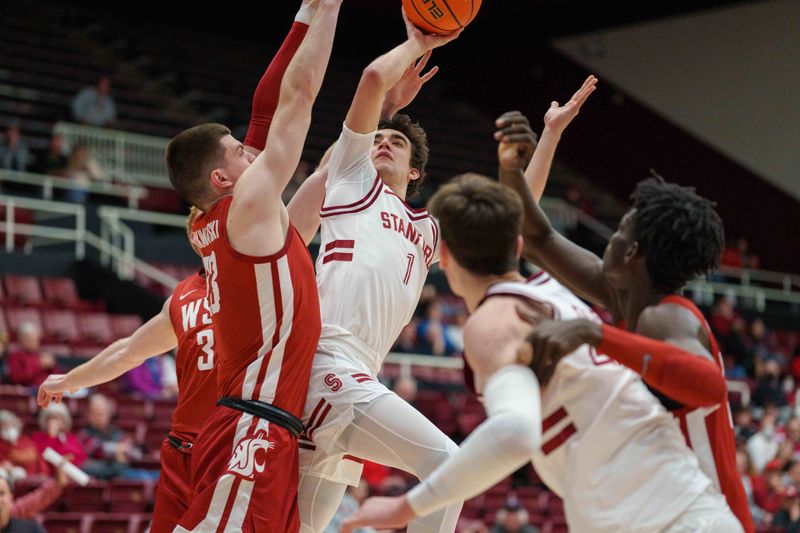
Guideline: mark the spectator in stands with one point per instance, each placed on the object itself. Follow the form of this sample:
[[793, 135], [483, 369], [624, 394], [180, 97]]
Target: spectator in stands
[[82, 169], [513, 518], [735, 345], [789, 516], [455, 331], [28, 365], [758, 344], [94, 106], [109, 449], [300, 175], [407, 340], [352, 500], [55, 424], [762, 447], [747, 474], [731, 256], [406, 388], [14, 152], [7, 523], [769, 390], [722, 316], [146, 379], [18, 453], [3, 356], [576, 199], [54, 161], [431, 337], [769, 489], [743, 427], [36, 501]]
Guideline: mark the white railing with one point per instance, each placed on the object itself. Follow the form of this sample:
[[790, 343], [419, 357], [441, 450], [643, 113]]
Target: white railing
[[118, 235], [132, 193], [42, 234], [564, 216], [129, 157]]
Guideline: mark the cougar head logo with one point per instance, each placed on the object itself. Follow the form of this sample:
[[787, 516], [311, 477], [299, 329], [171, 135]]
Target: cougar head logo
[[243, 461]]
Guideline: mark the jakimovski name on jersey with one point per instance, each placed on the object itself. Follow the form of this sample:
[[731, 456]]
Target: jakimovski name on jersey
[[407, 229], [206, 235]]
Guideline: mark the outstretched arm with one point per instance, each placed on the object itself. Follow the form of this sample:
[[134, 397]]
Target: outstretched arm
[[257, 220], [577, 268], [513, 404], [154, 337], [265, 98], [305, 204], [384, 73]]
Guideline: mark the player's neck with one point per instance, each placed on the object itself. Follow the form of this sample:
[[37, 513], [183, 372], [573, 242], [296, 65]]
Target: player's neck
[[638, 295], [475, 287]]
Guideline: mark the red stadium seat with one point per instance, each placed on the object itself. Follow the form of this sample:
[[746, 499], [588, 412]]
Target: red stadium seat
[[61, 292], [97, 327], [163, 409], [24, 290], [19, 403], [127, 496], [61, 325], [125, 325], [114, 523], [92, 497], [17, 315], [155, 435], [66, 522]]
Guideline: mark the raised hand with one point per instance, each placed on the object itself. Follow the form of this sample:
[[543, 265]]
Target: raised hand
[[517, 141], [406, 89], [425, 40], [558, 117]]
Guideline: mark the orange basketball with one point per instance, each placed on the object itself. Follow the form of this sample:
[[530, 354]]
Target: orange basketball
[[441, 16]]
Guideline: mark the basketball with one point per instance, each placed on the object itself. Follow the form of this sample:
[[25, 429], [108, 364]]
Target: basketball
[[441, 16]]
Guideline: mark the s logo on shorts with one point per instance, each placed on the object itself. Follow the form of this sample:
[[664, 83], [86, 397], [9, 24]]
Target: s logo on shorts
[[333, 382], [243, 461]]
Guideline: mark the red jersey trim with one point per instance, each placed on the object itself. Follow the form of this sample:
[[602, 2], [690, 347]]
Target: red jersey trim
[[244, 258], [413, 214]]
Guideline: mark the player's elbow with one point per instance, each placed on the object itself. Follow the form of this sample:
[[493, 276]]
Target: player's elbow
[[373, 77], [517, 436]]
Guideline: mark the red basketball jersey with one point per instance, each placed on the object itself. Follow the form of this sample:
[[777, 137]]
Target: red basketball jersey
[[709, 432], [194, 362], [265, 313]]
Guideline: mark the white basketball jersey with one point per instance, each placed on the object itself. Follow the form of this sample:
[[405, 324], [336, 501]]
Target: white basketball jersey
[[609, 449], [374, 256]]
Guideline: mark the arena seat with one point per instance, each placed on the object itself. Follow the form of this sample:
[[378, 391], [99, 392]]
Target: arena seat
[[65, 522], [61, 325], [17, 315], [125, 325], [129, 496], [96, 326], [61, 292], [24, 290], [91, 497]]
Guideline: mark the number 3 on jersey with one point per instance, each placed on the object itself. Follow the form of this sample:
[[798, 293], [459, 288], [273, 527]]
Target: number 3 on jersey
[[205, 340], [212, 288]]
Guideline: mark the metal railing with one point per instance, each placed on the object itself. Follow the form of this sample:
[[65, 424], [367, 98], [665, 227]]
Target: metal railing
[[43, 234], [48, 183], [129, 157]]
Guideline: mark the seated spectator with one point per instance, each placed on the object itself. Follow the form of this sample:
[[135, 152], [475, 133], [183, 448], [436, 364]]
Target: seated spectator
[[14, 152], [747, 474], [721, 320], [732, 256], [55, 424], [41, 498], [9, 524], [575, 198], [735, 345], [769, 390], [769, 489], [300, 175], [3, 356], [406, 388], [743, 425], [789, 516], [455, 331], [407, 340], [146, 379], [94, 106], [431, 337], [352, 500], [109, 449], [513, 518], [82, 169], [28, 365], [762, 447], [18, 451], [54, 161]]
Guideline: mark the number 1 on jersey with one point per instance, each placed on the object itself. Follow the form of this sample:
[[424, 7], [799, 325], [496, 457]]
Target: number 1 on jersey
[[410, 258]]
